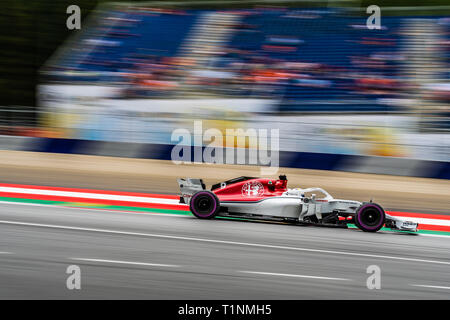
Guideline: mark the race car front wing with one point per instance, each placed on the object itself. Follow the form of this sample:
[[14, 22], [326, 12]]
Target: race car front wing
[[400, 224]]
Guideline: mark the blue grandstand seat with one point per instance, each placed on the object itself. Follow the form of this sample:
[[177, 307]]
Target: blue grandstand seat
[[334, 39]]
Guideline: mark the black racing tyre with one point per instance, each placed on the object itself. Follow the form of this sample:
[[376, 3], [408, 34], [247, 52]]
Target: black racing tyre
[[355, 221], [370, 217], [204, 205]]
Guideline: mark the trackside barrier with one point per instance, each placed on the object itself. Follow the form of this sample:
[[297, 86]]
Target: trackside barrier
[[288, 159]]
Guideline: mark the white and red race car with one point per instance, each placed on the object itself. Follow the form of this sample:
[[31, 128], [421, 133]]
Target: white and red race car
[[270, 199]]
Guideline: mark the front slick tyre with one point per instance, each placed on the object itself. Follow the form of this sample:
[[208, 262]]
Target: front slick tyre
[[204, 205], [370, 217]]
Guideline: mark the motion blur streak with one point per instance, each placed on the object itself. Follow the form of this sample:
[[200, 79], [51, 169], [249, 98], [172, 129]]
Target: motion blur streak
[[362, 113], [217, 241], [293, 275], [42, 252], [126, 262]]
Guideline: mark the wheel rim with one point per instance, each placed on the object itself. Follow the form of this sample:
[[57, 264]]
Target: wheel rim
[[370, 217], [204, 205]]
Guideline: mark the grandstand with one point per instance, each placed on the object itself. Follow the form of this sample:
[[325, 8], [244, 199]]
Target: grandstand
[[316, 60]]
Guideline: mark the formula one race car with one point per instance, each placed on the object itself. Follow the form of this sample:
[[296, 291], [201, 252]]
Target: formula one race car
[[270, 199]]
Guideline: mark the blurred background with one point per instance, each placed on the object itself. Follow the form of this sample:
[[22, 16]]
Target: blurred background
[[363, 113], [136, 71]]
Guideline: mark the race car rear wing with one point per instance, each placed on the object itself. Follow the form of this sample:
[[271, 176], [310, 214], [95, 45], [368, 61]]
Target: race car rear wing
[[188, 187]]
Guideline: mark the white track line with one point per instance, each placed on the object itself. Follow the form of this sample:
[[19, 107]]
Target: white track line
[[85, 195], [143, 199], [127, 262], [258, 245], [427, 286], [101, 210], [433, 235], [293, 275], [140, 199], [97, 209]]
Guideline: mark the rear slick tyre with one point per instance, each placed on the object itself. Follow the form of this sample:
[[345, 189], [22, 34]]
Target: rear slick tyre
[[204, 205]]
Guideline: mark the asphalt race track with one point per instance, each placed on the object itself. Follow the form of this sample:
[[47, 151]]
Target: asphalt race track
[[162, 256], [159, 256]]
